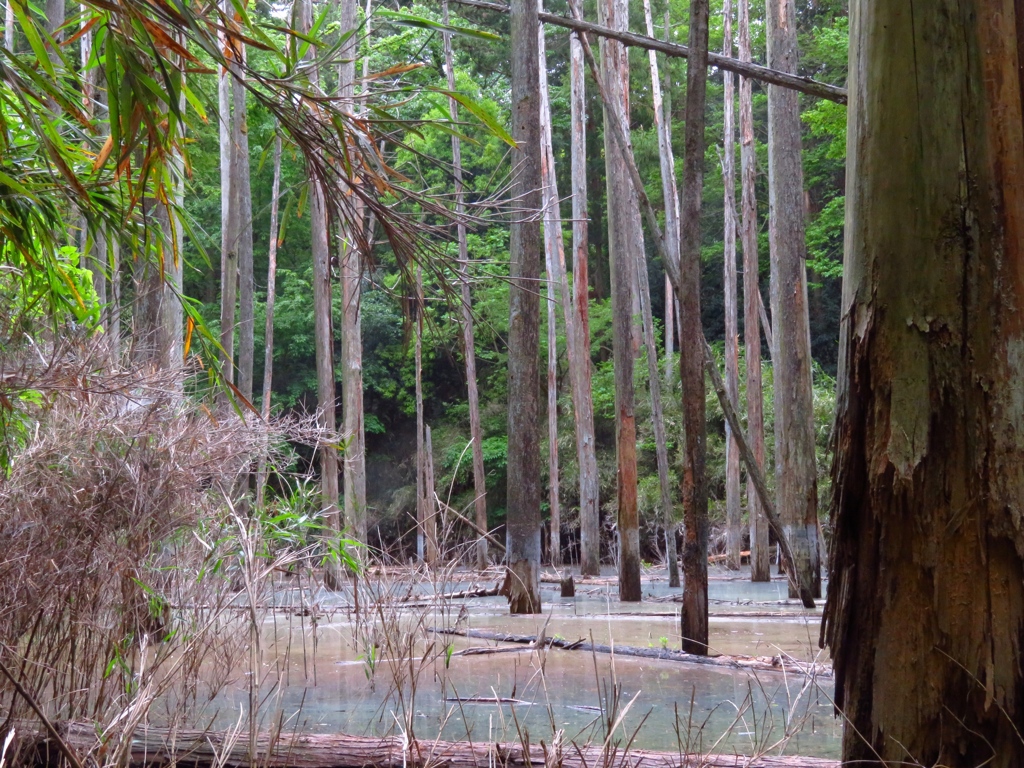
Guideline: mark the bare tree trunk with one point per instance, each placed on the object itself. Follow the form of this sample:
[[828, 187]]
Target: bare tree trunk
[[926, 597], [694, 615], [671, 236], [228, 219], [760, 569], [523, 499], [9, 26], [241, 190], [421, 499], [468, 341], [430, 500], [582, 402], [554, 257], [625, 242], [351, 273], [733, 536], [795, 466], [172, 325], [268, 332], [323, 335]]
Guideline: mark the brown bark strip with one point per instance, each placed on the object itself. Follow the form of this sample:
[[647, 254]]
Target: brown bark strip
[[746, 69]]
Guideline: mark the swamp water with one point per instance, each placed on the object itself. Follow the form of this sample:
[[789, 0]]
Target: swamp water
[[387, 672]]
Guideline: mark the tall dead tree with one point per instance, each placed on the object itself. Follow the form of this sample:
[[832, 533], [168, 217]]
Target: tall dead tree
[[733, 536], [625, 239], [523, 498], [796, 475], [582, 402], [241, 192], [694, 614], [925, 611], [228, 221], [759, 561], [671, 236], [476, 434]]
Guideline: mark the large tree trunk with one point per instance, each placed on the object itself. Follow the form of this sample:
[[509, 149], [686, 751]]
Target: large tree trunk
[[694, 615], [468, 340], [241, 191], [760, 569], [523, 498], [733, 521], [322, 335], [554, 259], [795, 467], [582, 402], [925, 612], [671, 235], [625, 242], [351, 274], [228, 219]]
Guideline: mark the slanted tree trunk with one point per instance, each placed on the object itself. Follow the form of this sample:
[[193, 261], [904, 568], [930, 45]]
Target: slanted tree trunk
[[733, 536], [671, 234], [241, 190], [523, 499], [925, 611], [554, 256], [322, 333], [760, 569], [694, 615], [582, 402], [795, 466], [351, 274], [476, 434], [625, 239], [268, 332]]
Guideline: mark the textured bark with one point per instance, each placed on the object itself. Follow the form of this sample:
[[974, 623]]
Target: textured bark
[[733, 535], [268, 331], [694, 614], [760, 569], [228, 221], [625, 243], [351, 273], [523, 498], [172, 323], [421, 502], [925, 613], [554, 258], [322, 331], [795, 466], [9, 26], [429, 500], [671, 237], [241, 191], [582, 402], [468, 341]]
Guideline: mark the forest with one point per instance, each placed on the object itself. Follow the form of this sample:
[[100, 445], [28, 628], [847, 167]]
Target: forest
[[469, 384]]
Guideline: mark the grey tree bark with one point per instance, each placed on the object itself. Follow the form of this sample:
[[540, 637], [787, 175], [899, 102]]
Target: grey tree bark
[[694, 614], [759, 561], [582, 403], [9, 38], [733, 518], [523, 498], [925, 610], [476, 434], [421, 466], [795, 464], [228, 221], [625, 238], [241, 191]]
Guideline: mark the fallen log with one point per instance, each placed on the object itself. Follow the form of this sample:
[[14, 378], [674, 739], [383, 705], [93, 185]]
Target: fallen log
[[464, 594], [151, 746], [752, 663]]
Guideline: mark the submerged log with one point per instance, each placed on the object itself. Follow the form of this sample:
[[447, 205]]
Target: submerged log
[[152, 746], [753, 663]]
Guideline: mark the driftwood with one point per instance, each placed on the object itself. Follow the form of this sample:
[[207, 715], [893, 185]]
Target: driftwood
[[752, 663], [152, 746], [460, 595]]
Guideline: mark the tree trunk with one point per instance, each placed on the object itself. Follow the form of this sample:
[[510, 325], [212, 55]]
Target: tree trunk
[[582, 402], [241, 190], [733, 536], [476, 434], [421, 498], [351, 274], [625, 243], [172, 324], [795, 466], [268, 332], [925, 612], [554, 257], [671, 196], [9, 26], [760, 569], [430, 500], [228, 219], [323, 335], [694, 615], [523, 498]]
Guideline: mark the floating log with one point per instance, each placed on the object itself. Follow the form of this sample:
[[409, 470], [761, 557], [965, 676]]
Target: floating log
[[151, 746], [752, 663], [464, 594]]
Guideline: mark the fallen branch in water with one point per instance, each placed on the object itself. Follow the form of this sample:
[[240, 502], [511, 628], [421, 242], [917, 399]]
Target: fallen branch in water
[[779, 663]]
